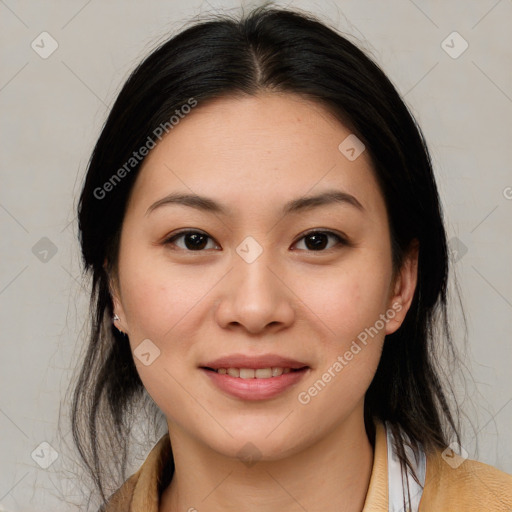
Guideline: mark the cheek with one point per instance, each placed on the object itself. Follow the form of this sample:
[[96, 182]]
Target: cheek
[[350, 304], [348, 300], [160, 305], [157, 295]]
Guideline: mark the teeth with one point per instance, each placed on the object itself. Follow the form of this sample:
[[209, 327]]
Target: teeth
[[263, 373], [251, 373], [276, 372], [246, 373], [234, 372]]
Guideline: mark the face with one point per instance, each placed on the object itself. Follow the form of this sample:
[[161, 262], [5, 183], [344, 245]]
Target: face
[[260, 273]]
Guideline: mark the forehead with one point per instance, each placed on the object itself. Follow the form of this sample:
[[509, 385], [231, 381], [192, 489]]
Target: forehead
[[251, 150]]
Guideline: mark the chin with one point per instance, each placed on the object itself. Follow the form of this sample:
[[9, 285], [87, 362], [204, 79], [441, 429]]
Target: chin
[[255, 442]]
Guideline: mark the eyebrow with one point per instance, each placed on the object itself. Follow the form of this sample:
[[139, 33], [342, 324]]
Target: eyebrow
[[296, 205]]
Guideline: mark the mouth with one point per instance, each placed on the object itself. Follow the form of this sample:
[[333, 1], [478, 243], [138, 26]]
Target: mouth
[[255, 373], [250, 379]]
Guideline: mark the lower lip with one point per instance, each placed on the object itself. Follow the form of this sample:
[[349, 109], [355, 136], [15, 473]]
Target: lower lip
[[255, 389]]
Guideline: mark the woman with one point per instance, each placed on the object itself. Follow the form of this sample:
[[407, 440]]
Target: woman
[[269, 262]]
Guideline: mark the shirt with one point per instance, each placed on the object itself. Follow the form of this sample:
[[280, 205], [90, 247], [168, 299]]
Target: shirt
[[449, 483]]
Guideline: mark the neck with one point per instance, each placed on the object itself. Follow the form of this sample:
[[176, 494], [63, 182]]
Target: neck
[[333, 475]]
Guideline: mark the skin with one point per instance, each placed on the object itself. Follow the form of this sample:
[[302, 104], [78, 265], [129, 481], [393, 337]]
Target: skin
[[252, 155]]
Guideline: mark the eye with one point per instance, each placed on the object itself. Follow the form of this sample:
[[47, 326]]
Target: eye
[[318, 240], [193, 240]]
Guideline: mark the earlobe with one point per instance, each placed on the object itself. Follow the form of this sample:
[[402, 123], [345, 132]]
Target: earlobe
[[404, 288], [118, 318]]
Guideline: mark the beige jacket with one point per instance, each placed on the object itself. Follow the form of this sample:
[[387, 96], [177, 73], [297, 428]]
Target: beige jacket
[[471, 487]]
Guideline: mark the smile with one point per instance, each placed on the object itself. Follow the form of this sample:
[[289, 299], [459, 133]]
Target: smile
[[254, 373], [254, 383]]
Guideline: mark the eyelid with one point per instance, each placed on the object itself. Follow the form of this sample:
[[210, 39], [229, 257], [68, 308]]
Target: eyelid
[[168, 240], [341, 237]]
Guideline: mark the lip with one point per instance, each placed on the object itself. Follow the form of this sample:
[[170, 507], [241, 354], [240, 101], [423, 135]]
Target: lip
[[245, 361], [255, 389]]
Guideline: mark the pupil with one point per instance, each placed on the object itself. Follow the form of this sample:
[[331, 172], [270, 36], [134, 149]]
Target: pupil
[[319, 241], [195, 241]]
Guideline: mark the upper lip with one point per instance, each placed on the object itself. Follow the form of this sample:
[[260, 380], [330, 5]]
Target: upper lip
[[246, 361]]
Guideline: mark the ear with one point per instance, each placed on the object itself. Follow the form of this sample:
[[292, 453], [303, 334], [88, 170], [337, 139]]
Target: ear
[[403, 288], [114, 289]]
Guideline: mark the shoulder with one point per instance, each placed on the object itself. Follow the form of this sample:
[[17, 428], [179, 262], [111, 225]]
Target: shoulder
[[122, 498], [141, 492], [469, 485]]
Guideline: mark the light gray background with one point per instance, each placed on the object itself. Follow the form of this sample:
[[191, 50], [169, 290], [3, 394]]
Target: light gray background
[[52, 112]]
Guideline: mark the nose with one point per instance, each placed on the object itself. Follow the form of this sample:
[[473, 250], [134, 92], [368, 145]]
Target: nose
[[255, 297]]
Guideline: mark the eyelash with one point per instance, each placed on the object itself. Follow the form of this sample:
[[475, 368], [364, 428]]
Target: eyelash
[[341, 240]]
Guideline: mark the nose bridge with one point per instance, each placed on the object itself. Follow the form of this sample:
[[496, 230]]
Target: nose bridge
[[254, 297], [254, 274]]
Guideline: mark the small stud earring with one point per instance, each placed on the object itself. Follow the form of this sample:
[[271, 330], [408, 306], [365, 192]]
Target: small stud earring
[[114, 318]]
